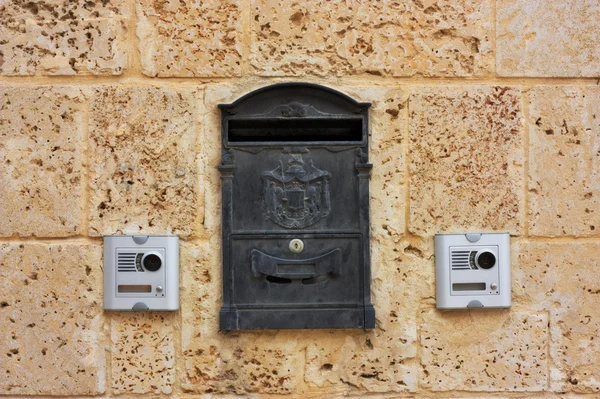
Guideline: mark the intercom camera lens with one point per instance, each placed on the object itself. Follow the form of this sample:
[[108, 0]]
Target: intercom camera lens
[[485, 260], [152, 262]]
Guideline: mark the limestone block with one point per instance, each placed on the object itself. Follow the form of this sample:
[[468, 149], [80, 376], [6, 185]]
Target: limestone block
[[143, 172], [40, 157], [387, 119], [59, 37], [143, 352], [249, 362], [541, 38], [51, 320], [496, 350], [466, 159], [562, 279], [237, 362], [382, 359], [191, 38], [372, 362], [323, 37], [210, 135], [564, 160]]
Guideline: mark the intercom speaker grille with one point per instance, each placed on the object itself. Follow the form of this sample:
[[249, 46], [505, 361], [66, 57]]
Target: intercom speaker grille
[[126, 262], [460, 260]]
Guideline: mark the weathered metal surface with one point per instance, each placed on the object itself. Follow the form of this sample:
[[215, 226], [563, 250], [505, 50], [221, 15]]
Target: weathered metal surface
[[295, 185]]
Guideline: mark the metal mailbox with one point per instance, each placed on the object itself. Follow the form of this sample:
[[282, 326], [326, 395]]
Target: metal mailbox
[[295, 198]]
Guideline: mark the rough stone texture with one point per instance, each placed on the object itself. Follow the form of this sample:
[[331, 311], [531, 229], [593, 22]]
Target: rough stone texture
[[143, 172], [238, 363], [40, 161], [59, 37], [387, 117], [143, 352], [563, 279], [496, 350], [564, 161], [51, 320], [371, 362], [548, 38], [466, 159], [192, 38], [321, 37]]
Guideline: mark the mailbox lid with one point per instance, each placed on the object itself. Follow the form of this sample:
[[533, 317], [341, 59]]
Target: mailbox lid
[[326, 273]]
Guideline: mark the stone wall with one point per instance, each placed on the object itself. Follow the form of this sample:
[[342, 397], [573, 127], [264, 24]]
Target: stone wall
[[485, 117]]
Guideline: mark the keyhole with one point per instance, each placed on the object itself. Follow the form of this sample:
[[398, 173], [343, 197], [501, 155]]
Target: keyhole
[[296, 246]]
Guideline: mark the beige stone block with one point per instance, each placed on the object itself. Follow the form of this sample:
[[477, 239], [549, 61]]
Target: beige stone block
[[143, 352], [235, 362], [241, 363], [362, 362], [51, 320], [496, 350], [562, 279], [387, 144], [143, 152], [192, 38], [466, 159], [564, 160], [322, 37], [60, 37], [548, 38], [383, 359], [41, 161]]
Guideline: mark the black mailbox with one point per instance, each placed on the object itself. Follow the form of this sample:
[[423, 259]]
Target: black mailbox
[[295, 185]]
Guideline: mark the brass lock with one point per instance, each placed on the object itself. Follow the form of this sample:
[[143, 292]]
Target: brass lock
[[296, 246]]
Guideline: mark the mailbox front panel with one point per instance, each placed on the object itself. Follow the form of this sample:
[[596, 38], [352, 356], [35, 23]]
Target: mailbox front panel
[[295, 206]]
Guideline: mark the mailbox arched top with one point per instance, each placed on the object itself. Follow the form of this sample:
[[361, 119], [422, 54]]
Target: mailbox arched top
[[294, 100]]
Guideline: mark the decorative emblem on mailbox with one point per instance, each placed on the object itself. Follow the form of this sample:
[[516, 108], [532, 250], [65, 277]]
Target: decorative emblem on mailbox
[[295, 196], [295, 189]]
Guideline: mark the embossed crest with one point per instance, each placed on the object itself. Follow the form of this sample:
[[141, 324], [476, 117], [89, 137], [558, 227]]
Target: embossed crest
[[296, 196]]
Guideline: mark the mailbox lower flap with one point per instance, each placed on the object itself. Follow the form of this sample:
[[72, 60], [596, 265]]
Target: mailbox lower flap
[[329, 263]]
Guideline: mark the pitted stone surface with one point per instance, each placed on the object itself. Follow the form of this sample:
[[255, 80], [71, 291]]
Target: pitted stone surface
[[563, 279], [494, 350], [382, 359], [61, 37], [322, 37], [466, 159], [40, 161], [564, 161], [387, 119], [143, 150], [51, 320], [191, 38], [233, 363], [543, 38], [372, 362], [268, 363], [143, 352]]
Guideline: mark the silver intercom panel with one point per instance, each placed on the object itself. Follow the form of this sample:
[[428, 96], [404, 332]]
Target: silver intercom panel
[[472, 270], [141, 272]]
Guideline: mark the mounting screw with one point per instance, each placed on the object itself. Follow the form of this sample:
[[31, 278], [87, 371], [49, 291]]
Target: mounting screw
[[296, 246]]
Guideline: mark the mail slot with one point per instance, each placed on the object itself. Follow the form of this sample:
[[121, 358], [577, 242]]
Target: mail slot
[[295, 207]]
